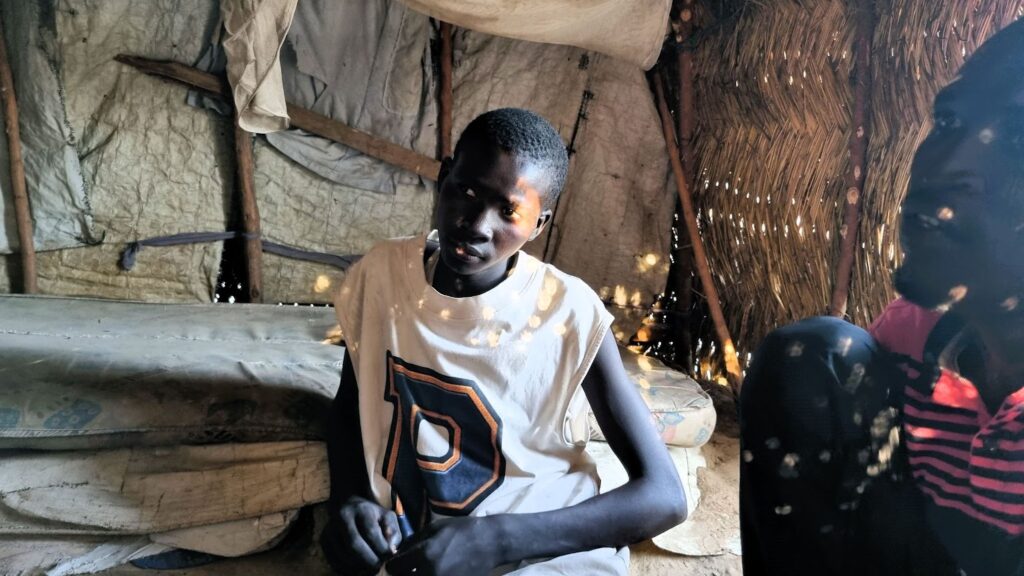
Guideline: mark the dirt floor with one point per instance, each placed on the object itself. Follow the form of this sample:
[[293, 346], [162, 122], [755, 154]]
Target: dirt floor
[[717, 516]]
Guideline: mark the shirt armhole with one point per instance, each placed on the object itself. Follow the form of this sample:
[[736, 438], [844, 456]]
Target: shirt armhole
[[575, 421]]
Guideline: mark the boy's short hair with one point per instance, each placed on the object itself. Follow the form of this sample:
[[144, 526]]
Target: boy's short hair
[[526, 135], [1004, 50]]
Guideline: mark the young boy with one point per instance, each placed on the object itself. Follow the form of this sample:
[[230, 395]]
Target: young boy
[[457, 437], [902, 451]]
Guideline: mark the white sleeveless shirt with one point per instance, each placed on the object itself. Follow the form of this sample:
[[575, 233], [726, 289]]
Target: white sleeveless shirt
[[471, 406]]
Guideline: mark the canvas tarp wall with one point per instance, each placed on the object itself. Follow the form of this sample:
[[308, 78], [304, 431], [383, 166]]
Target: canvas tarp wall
[[156, 166], [60, 204], [152, 165]]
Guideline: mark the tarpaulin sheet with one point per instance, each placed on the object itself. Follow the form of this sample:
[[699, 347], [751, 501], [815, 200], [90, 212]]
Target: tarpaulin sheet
[[60, 206], [631, 31], [366, 63]]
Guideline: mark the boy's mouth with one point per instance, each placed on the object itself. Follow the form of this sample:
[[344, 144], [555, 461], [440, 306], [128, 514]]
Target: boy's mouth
[[466, 252]]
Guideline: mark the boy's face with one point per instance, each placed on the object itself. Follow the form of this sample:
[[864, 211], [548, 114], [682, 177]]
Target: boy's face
[[490, 204], [963, 217]]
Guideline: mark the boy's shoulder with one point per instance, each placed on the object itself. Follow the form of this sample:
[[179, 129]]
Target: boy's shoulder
[[555, 281], [392, 247]]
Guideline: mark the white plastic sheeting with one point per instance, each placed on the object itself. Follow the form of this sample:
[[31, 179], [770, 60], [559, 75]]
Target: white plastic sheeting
[[630, 31]]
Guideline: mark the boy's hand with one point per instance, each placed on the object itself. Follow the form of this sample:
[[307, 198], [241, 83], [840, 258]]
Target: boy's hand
[[360, 537], [449, 547]]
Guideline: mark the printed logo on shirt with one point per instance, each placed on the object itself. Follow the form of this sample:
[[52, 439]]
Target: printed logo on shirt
[[444, 446]]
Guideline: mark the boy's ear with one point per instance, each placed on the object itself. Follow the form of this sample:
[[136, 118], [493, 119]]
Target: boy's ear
[[542, 222]]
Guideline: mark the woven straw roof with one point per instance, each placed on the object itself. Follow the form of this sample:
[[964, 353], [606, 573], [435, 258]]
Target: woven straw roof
[[774, 101]]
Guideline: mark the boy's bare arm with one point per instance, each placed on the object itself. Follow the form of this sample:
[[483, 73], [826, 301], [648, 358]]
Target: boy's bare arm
[[360, 534], [651, 502]]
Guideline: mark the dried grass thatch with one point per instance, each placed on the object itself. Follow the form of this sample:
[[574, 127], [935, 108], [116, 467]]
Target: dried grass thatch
[[774, 101]]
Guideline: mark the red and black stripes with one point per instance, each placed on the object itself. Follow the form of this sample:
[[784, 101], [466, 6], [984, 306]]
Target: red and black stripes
[[962, 458]]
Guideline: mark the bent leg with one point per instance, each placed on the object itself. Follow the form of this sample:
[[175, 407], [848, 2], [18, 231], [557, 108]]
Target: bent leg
[[819, 435]]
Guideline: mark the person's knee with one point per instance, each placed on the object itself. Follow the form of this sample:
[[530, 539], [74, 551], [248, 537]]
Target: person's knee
[[792, 354], [800, 367]]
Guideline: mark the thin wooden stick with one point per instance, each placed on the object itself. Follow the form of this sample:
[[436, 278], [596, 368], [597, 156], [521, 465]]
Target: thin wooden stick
[[300, 117], [22, 209], [732, 364], [683, 280], [858, 158], [445, 124], [250, 212]]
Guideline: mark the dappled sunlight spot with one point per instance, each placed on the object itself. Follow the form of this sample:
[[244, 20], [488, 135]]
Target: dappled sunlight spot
[[487, 313], [493, 339], [645, 363], [844, 345], [853, 381], [526, 336], [957, 293], [550, 286], [986, 136], [621, 297], [560, 329], [945, 214], [544, 302], [637, 299], [322, 284], [1010, 304], [787, 468], [534, 321]]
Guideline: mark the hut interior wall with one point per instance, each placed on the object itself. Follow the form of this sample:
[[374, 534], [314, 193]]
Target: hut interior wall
[[156, 166]]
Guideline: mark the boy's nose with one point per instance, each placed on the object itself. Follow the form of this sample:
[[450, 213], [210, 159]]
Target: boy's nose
[[476, 225]]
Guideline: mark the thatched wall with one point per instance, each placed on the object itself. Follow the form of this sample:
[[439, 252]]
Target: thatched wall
[[774, 100]]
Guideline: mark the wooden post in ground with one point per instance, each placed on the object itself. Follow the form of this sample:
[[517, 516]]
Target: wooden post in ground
[[732, 364], [445, 111], [683, 278], [250, 212], [859, 135], [22, 209]]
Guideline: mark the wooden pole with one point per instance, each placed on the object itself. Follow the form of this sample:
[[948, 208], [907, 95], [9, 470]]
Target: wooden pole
[[445, 123], [865, 19], [683, 280], [22, 209], [250, 212], [300, 117], [732, 365]]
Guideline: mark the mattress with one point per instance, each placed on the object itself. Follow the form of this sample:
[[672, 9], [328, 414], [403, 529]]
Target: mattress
[[81, 374]]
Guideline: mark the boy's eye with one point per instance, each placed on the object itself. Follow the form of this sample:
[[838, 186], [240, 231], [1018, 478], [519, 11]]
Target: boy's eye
[[946, 121], [510, 212]]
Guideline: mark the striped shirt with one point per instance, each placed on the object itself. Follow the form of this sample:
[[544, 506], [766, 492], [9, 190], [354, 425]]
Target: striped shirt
[[968, 462]]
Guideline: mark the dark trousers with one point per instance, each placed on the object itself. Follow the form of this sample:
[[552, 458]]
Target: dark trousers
[[824, 488]]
